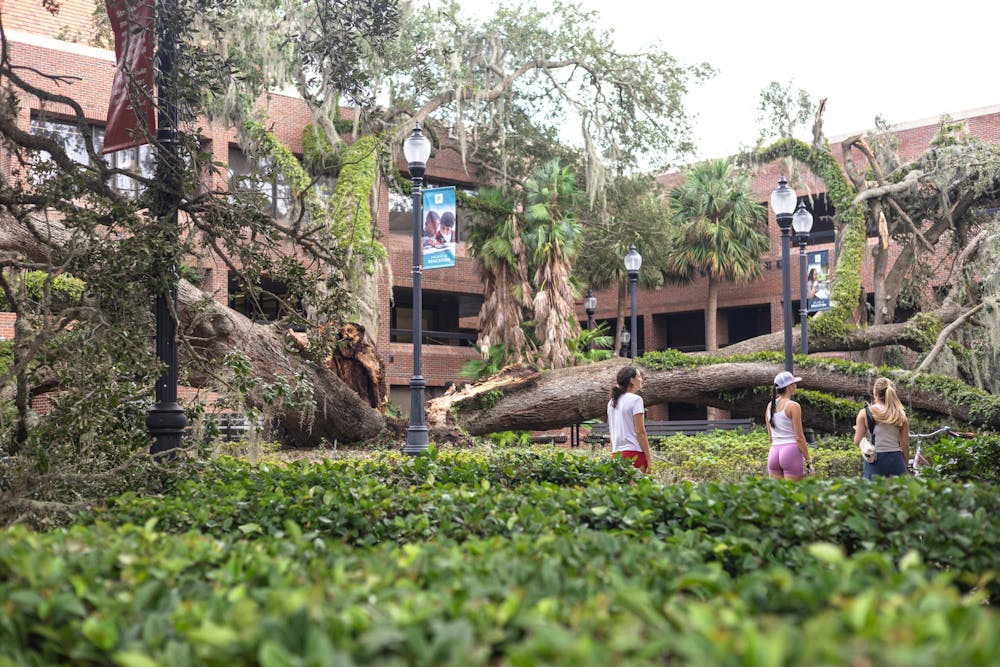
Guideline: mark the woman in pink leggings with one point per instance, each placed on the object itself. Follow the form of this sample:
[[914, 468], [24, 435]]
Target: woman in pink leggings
[[789, 456]]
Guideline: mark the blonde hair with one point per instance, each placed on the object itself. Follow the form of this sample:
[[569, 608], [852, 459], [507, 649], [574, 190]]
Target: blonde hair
[[891, 410]]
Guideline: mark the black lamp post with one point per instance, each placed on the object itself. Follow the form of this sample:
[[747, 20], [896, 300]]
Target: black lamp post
[[802, 222], [590, 305], [165, 421], [633, 260], [417, 148], [783, 202]]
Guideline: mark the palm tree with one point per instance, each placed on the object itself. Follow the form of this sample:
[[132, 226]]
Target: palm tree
[[551, 196], [717, 231], [495, 242], [632, 212]]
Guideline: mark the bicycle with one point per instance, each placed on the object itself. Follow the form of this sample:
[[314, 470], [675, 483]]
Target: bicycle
[[919, 461]]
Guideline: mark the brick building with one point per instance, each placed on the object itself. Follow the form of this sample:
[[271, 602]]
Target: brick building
[[667, 317]]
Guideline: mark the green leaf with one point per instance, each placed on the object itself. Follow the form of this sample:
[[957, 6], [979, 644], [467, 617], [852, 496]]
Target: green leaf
[[829, 553], [248, 528], [213, 634], [101, 631], [134, 659]]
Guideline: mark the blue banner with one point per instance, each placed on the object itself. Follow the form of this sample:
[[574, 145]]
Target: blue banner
[[818, 281], [440, 228]]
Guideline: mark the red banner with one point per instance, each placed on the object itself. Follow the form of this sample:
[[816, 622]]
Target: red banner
[[132, 109]]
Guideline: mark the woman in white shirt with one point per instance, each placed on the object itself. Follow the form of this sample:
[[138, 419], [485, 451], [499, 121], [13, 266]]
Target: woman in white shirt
[[789, 456], [627, 419]]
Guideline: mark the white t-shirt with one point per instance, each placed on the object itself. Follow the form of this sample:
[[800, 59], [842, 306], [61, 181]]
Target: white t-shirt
[[621, 423]]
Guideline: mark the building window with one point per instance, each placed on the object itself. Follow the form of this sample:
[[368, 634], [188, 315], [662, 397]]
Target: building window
[[250, 175], [68, 136], [265, 304], [139, 161]]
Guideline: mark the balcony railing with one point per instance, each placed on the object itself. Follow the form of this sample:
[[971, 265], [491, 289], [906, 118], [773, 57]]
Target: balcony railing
[[452, 338]]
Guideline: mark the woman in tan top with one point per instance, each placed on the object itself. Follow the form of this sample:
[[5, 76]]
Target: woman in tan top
[[891, 434]]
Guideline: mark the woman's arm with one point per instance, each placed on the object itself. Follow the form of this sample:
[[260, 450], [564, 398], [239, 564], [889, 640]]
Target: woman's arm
[[904, 439], [794, 412], [861, 427], [639, 419]]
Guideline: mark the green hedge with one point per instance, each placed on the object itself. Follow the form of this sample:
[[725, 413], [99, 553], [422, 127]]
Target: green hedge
[[137, 597], [517, 558], [951, 526], [728, 456]]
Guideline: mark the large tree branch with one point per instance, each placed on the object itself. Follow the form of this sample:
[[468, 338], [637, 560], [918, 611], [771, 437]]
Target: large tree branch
[[943, 338], [532, 400]]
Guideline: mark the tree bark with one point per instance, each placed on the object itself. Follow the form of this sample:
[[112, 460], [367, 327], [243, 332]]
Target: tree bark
[[712, 315]]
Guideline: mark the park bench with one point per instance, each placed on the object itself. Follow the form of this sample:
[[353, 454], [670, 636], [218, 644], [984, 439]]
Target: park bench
[[548, 439], [233, 426], [599, 430]]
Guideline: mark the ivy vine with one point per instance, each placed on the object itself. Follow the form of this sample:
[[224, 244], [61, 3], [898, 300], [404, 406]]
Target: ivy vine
[[352, 215]]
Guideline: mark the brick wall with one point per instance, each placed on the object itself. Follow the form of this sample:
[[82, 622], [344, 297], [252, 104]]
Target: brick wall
[[73, 20], [7, 325]]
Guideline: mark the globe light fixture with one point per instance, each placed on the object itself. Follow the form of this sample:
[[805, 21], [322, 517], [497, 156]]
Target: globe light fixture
[[802, 222], [633, 261], [783, 203]]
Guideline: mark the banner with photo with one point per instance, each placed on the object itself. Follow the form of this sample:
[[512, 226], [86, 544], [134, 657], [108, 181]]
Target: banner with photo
[[440, 228], [818, 281]]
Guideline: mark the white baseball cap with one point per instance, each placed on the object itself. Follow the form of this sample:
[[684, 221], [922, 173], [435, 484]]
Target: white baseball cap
[[784, 378]]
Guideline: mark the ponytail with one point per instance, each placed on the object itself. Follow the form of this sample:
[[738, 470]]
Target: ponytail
[[622, 382], [891, 410], [774, 403]]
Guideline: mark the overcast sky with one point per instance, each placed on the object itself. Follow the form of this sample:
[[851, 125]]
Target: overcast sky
[[866, 57]]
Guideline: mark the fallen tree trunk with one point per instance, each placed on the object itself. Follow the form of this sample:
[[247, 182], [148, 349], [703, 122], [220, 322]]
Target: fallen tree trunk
[[338, 412], [526, 399]]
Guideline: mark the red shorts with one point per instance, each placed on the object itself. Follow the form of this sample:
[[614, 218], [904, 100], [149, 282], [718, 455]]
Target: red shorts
[[638, 458]]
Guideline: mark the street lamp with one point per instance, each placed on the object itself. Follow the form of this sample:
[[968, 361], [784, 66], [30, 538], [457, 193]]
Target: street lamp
[[417, 148], [633, 260], [165, 421], [802, 223], [783, 202], [590, 305]]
